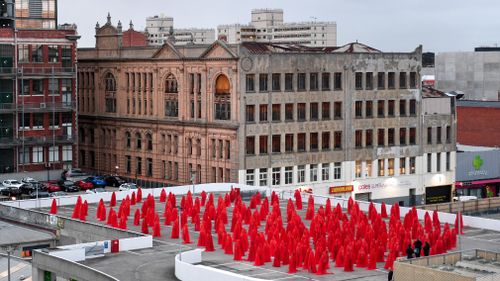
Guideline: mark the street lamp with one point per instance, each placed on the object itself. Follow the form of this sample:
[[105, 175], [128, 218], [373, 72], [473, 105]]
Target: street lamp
[[116, 170], [9, 249]]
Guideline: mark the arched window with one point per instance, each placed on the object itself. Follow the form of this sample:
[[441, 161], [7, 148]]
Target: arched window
[[171, 84], [222, 98], [149, 139], [128, 140], [110, 93], [138, 141], [171, 98]]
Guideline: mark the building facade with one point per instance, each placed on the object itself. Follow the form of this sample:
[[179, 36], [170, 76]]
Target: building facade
[[476, 124], [267, 26], [37, 86], [346, 121], [158, 29]]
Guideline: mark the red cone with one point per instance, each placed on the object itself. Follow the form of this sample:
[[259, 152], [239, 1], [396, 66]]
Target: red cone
[[133, 201], [144, 227], [112, 203], [53, 207], [163, 196], [292, 267], [209, 243], [156, 229], [228, 245], [175, 230], [185, 235], [139, 195], [137, 217]]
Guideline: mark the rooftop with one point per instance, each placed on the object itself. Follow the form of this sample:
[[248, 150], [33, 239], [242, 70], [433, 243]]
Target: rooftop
[[13, 234], [478, 103]]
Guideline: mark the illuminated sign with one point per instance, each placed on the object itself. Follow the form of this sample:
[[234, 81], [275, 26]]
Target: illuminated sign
[[341, 189]]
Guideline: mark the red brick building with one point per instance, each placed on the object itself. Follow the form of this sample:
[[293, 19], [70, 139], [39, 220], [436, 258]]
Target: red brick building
[[37, 88], [478, 123], [132, 38]]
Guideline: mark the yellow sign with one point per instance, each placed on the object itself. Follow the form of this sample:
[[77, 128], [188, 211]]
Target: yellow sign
[[341, 189]]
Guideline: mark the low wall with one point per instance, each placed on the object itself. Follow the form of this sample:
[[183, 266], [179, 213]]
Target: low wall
[[65, 268], [411, 272], [471, 206], [186, 270]]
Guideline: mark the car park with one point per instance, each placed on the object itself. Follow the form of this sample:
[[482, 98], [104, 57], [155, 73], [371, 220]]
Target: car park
[[114, 181], [84, 184], [127, 186], [96, 181], [68, 186], [52, 186]]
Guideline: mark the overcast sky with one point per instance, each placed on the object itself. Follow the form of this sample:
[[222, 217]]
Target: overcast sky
[[389, 25]]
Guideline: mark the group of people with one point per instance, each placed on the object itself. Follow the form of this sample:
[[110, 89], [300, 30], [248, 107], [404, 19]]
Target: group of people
[[416, 250]]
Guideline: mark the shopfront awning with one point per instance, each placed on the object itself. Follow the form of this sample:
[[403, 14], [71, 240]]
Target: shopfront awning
[[467, 184]]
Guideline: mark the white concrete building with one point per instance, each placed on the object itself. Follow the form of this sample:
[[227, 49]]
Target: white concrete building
[[158, 29], [267, 26]]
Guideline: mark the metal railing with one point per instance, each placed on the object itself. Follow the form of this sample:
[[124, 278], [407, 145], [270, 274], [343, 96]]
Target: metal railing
[[37, 71], [40, 140]]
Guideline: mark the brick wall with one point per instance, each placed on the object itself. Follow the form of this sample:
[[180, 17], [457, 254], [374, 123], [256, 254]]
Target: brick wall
[[132, 38], [478, 126]]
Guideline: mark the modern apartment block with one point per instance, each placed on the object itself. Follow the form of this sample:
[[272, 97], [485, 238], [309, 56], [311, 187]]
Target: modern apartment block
[[158, 29], [267, 26], [347, 120], [37, 87]]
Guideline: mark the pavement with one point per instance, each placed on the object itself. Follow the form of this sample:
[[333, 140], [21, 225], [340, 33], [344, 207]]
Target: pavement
[[157, 263], [19, 269]]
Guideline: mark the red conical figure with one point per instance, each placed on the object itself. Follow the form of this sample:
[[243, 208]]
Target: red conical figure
[[137, 217], [139, 195], [163, 196], [53, 207], [144, 227], [156, 229], [292, 268], [228, 245], [133, 199], [185, 235], [259, 257], [372, 259], [383, 210], [209, 243], [390, 261], [277, 258], [238, 255], [175, 230], [361, 261], [348, 263], [112, 203], [123, 222], [76, 209], [298, 199]]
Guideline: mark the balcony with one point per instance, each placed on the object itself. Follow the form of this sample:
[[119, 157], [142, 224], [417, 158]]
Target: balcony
[[38, 107], [38, 72], [10, 142]]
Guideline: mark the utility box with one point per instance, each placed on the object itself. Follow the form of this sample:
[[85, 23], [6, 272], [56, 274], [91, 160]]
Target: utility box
[[115, 246]]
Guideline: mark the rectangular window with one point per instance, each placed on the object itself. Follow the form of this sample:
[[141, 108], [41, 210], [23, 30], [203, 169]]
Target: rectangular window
[[263, 177], [250, 113], [448, 161], [313, 172], [276, 144], [289, 112], [276, 112], [413, 107], [325, 110], [381, 137], [250, 177], [337, 170], [337, 140], [276, 82], [289, 143], [67, 153], [276, 176], [313, 142], [381, 80], [369, 81], [325, 141], [429, 135], [250, 83], [357, 169], [301, 111], [391, 137], [301, 82], [402, 108], [438, 162], [24, 155], [301, 142], [368, 169], [439, 138], [390, 168], [391, 110], [263, 83], [413, 80], [263, 113], [38, 121], [53, 53], [448, 134], [288, 175], [263, 144], [381, 108], [358, 138], [54, 154], [391, 83], [402, 136], [138, 166], [325, 172], [381, 167], [358, 109], [413, 165], [289, 82], [369, 109], [313, 81], [413, 136], [337, 110], [36, 87], [359, 80], [402, 165], [36, 53], [250, 145], [301, 173], [23, 53], [369, 138], [128, 164], [338, 81], [402, 80], [325, 81], [149, 167], [429, 162], [313, 110]]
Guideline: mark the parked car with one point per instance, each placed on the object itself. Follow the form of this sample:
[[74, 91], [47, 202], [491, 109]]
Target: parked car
[[58, 193], [52, 186], [11, 187], [96, 190], [68, 186], [29, 180], [39, 194], [114, 181], [127, 186], [84, 185], [97, 181], [27, 188]]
